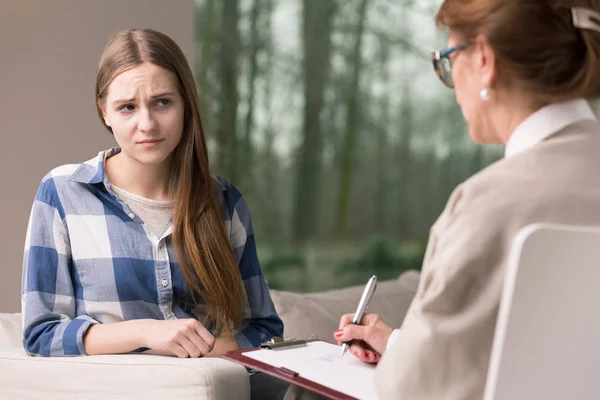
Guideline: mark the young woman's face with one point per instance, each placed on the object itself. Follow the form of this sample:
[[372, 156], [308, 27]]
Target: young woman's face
[[145, 111]]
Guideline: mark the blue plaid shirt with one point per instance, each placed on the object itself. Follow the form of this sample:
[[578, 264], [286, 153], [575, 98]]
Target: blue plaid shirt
[[88, 259]]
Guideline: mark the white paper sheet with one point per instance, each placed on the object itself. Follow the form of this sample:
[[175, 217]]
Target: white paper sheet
[[320, 362]]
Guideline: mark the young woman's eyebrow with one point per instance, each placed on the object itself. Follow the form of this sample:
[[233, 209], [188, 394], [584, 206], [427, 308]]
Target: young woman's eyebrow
[[154, 97]]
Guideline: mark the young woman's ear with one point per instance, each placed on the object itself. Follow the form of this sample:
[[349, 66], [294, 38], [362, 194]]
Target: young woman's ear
[[103, 110]]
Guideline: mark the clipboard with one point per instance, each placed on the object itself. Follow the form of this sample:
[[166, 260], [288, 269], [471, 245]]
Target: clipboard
[[284, 373]]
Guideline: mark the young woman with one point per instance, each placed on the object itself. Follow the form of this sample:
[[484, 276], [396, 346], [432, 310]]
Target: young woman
[[141, 248]]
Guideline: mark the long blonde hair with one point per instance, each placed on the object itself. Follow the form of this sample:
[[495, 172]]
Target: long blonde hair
[[202, 248]]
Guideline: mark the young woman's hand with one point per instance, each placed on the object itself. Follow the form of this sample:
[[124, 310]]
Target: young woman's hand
[[369, 338], [181, 337]]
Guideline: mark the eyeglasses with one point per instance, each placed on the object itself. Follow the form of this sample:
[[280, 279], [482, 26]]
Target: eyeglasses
[[443, 65]]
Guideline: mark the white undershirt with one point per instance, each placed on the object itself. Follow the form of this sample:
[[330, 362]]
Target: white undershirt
[[156, 214]]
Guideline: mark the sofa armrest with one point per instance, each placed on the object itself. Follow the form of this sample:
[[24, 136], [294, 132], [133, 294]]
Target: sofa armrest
[[305, 314], [128, 376]]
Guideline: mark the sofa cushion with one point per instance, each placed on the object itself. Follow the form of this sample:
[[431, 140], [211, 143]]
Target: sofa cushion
[[10, 330], [305, 314], [114, 376]]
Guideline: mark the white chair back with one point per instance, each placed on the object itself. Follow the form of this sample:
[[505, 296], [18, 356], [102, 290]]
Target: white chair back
[[547, 340]]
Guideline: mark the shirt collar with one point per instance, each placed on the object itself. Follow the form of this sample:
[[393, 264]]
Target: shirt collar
[[93, 171], [545, 122]]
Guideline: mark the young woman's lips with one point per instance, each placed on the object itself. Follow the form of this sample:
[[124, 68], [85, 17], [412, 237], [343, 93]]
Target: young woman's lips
[[150, 142]]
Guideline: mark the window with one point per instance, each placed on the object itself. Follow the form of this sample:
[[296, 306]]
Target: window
[[329, 118]]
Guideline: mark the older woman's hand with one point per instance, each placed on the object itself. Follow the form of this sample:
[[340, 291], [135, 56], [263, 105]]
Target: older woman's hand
[[369, 339]]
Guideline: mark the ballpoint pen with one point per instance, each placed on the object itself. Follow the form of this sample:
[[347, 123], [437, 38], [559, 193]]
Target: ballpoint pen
[[365, 299]]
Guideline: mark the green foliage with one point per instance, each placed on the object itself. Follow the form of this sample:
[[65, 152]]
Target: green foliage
[[383, 258], [286, 270], [318, 267]]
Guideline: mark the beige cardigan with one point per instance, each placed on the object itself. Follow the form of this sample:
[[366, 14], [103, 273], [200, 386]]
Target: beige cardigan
[[443, 347]]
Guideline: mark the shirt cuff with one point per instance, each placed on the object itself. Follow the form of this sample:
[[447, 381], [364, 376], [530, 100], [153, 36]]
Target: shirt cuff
[[242, 340], [73, 336], [392, 339]]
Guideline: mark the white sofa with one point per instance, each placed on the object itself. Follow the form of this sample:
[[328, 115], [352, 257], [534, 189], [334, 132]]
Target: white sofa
[[154, 377]]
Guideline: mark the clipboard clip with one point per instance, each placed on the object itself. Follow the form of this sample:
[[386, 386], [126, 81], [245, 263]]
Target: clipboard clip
[[278, 343], [287, 372]]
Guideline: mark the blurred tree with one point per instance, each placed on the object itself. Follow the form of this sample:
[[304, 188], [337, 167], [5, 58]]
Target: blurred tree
[[352, 122], [383, 189], [227, 153], [407, 170], [316, 38], [205, 36], [267, 161], [255, 44]]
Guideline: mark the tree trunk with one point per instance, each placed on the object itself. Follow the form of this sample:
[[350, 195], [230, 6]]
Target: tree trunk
[[405, 201], [228, 56], [317, 18], [352, 121], [382, 188], [409, 195], [206, 38], [247, 151], [270, 172]]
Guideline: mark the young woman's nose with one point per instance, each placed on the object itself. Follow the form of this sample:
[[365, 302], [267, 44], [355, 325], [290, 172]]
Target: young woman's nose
[[146, 120]]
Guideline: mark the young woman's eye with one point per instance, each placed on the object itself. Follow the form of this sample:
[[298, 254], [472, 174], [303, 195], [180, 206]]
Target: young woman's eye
[[163, 102], [126, 108]]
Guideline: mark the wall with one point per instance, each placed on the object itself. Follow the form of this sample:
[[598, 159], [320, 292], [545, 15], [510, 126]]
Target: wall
[[49, 51]]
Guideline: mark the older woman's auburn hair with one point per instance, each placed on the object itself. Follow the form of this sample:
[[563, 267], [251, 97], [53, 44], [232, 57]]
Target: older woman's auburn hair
[[202, 247], [535, 42]]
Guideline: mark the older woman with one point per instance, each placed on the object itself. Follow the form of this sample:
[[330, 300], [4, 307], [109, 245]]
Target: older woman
[[522, 70]]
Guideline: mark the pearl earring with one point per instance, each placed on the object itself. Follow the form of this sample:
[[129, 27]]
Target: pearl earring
[[485, 94]]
